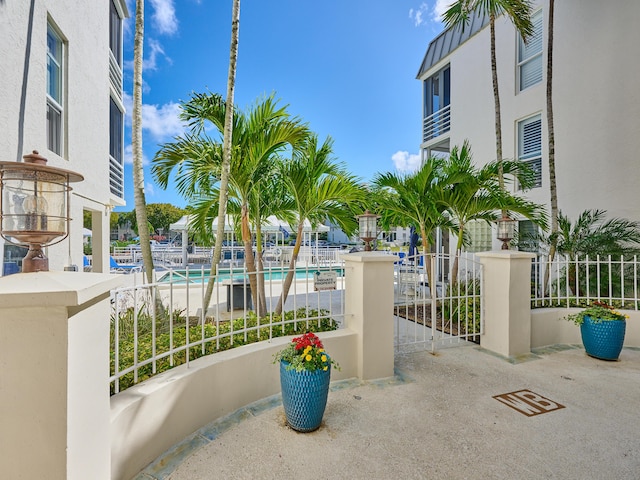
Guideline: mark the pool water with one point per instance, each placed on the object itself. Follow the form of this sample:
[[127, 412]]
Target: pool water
[[197, 276]]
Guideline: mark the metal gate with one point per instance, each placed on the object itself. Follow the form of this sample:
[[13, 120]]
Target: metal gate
[[455, 302]]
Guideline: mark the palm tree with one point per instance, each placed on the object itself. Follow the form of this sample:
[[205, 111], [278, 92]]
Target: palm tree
[[469, 194], [552, 141], [592, 235], [519, 12], [136, 144], [226, 148], [319, 189], [411, 199], [259, 136]]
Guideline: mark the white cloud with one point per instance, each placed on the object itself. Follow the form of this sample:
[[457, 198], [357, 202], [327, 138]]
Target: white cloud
[[164, 16], [425, 13], [155, 49], [406, 162], [149, 189], [160, 121], [439, 8], [417, 14], [128, 156]]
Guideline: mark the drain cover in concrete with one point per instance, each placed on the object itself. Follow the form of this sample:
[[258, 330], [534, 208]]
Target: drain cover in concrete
[[528, 403]]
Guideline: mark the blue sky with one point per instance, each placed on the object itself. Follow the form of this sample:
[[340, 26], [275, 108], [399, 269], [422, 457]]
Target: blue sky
[[346, 67]]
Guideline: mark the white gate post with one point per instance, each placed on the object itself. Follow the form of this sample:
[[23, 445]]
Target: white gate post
[[507, 302], [369, 311], [54, 389]]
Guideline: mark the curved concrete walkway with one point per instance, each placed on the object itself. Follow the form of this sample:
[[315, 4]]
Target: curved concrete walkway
[[437, 418]]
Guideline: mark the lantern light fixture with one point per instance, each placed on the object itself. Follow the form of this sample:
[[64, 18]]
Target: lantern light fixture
[[506, 230], [368, 228], [34, 206]]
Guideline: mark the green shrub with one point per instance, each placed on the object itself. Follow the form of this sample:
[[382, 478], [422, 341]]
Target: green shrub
[[462, 307], [210, 338]]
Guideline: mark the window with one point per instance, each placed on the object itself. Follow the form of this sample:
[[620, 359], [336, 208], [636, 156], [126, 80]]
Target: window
[[115, 33], [528, 237], [54, 91], [530, 55], [479, 233], [530, 145], [115, 131], [436, 110], [116, 178]]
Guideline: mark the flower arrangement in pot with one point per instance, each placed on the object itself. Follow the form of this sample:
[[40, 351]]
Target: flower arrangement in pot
[[602, 328], [305, 370]]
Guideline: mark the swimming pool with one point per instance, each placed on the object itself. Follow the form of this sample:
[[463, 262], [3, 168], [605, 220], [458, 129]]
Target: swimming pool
[[180, 277]]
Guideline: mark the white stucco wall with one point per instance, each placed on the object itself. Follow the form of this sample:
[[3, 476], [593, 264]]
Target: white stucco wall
[[85, 29], [596, 103]]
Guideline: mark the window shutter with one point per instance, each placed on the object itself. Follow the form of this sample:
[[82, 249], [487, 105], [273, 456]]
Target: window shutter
[[530, 55]]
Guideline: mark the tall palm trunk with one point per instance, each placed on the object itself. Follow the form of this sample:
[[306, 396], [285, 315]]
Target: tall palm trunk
[[456, 260], [426, 254], [226, 153], [250, 263], [552, 146], [136, 143], [292, 270], [496, 101]]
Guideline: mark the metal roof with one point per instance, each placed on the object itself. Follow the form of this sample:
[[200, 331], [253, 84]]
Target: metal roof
[[445, 43]]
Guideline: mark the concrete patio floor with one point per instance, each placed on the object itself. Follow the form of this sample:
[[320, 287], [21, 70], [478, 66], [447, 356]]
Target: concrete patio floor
[[437, 418]]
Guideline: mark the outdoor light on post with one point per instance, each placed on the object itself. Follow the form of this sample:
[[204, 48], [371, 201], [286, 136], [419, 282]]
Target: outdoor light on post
[[34, 206], [368, 226], [506, 230]]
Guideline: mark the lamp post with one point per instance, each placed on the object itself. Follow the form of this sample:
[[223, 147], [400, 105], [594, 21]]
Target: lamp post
[[368, 227], [506, 230], [34, 206]]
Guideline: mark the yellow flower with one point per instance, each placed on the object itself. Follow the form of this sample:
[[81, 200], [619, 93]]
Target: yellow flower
[[325, 368], [320, 350], [308, 358], [307, 349], [324, 358]]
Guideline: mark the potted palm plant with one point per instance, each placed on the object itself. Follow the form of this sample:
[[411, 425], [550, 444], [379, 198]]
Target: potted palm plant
[[305, 370], [602, 328]]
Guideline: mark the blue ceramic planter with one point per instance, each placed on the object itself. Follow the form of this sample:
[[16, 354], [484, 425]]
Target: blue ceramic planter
[[603, 339], [304, 397]]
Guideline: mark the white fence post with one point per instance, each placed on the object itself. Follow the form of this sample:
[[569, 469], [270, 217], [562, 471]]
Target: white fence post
[[507, 302], [54, 392], [369, 311]]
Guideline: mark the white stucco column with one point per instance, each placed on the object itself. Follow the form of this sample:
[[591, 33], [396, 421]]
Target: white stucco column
[[507, 302], [369, 311], [54, 375]]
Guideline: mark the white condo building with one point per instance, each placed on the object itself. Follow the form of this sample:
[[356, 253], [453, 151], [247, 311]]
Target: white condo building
[[61, 94], [596, 102]]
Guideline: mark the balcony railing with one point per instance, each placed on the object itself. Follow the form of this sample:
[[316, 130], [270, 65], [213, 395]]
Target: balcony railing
[[436, 124]]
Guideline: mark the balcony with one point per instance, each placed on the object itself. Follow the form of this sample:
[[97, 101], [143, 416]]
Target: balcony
[[436, 124]]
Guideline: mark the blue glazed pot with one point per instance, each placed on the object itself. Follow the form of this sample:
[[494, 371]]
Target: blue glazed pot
[[603, 339], [304, 397]]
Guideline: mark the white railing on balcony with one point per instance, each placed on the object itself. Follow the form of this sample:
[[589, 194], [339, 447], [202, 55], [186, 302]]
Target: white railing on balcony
[[611, 279], [436, 124], [157, 326]]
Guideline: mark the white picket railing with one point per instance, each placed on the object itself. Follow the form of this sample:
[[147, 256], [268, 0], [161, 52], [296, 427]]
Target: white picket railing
[[611, 279], [160, 325]]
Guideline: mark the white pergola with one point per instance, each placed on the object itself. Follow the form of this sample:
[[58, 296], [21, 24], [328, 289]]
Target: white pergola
[[271, 226]]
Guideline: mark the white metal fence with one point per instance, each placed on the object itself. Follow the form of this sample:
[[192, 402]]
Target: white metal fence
[[456, 305], [169, 256], [157, 326], [579, 282]]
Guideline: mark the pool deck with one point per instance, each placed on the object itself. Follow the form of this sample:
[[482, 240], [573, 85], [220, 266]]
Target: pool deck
[[438, 418]]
